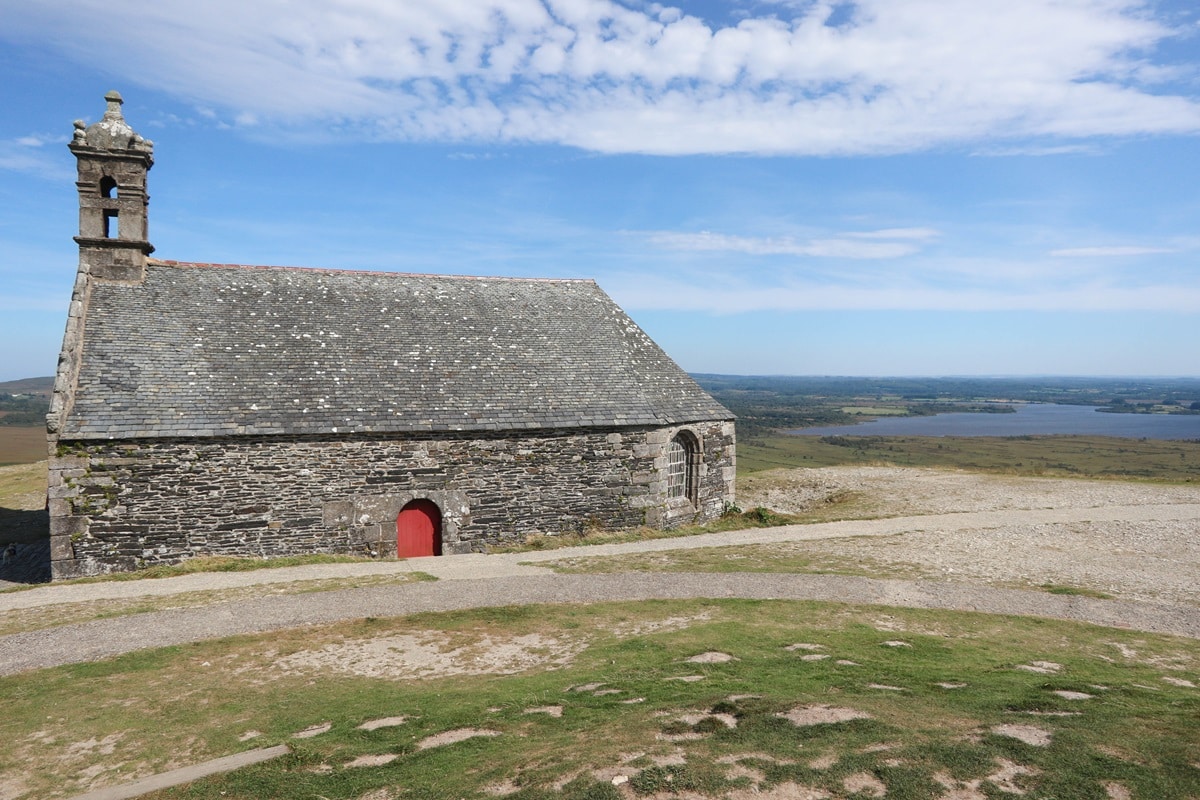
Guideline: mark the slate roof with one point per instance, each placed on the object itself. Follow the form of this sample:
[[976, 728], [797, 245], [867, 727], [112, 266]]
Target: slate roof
[[211, 350]]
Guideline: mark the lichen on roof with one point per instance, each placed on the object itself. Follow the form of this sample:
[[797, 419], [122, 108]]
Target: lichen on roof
[[211, 350]]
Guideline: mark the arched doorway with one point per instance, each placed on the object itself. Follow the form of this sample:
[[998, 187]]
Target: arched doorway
[[419, 530]]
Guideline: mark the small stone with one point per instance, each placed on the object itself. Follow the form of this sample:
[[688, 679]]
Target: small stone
[[553, 711], [1035, 737], [313, 730], [386, 722], [1041, 667], [372, 761]]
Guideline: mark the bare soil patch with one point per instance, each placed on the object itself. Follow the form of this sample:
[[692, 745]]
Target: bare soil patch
[[1029, 734], [1140, 558], [453, 737], [801, 716], [407, 656], [909, 491]]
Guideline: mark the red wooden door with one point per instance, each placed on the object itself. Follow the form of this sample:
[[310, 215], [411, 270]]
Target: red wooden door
[[419, 530]]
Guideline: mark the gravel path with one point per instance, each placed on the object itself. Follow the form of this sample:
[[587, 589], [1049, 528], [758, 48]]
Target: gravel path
[[97, 639], [1139, 541]]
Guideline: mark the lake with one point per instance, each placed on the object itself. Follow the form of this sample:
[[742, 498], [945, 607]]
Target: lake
[[1031, 419]]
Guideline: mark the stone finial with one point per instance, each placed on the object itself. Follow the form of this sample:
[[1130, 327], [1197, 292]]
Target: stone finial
[[114, 101], [112, 132]]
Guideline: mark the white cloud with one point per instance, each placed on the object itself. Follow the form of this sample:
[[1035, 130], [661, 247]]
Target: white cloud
[[889, 243], [916, 234], [1109, 252], [829, 274], [1041, 150], [27, 154], [890, 76], [732, 295]]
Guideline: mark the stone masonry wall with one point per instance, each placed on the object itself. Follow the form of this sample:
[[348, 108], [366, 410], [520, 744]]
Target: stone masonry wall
[[119, 505]]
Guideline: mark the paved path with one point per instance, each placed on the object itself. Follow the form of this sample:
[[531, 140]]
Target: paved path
[[474, 581], [178, 777]]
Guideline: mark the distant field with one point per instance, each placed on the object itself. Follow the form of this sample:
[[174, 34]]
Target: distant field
[[20, 444], [1081, 456]]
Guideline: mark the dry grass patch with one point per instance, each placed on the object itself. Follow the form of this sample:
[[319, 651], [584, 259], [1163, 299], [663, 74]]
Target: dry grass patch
[[49, 616], [24, 446], [784, 557]]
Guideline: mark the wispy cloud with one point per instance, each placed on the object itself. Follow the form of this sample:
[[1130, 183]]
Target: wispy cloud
[[890, 243], [679, 293], [913, 234], [860, 76], [1086, 149], [1109, 252], [28, 154]]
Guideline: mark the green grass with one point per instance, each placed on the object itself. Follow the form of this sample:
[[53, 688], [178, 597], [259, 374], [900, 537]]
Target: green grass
[[785, 558], [1077, 591], [793, 558], [212, 564], [1070, 456], [875, 411], [838, 506], [52, 615], [23, 486], [225, 564], [148, 711]]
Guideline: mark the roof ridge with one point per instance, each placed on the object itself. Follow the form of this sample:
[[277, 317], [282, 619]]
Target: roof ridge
[[158, 262]]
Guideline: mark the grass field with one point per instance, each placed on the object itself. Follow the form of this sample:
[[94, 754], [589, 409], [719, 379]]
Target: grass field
[[1078, 456], [849, 701], [20, 444], [875, 411]]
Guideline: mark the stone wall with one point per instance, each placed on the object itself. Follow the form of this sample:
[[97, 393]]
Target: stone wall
[[122, 504]]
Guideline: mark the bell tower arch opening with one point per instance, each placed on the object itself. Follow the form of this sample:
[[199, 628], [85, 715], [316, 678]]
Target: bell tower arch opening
[[112, 163]]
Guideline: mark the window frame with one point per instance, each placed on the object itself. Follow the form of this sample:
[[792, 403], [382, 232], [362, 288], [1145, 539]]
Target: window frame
[[682, 467]]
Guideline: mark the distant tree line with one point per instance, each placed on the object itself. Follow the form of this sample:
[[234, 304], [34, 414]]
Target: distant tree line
[[23, 409]]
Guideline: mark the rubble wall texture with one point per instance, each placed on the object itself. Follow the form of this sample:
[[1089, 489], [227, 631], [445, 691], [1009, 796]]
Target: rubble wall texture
[[118, 505]]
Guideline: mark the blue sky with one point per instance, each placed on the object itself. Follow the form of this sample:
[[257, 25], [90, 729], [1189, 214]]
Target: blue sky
[[876, 187]]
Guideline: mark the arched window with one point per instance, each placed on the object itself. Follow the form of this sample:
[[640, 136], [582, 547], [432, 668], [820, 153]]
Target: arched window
[[108, 187], [681, 467]]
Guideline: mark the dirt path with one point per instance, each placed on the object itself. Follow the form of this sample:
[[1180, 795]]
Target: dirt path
[[474, 567], [1139, 542], [102, 638]]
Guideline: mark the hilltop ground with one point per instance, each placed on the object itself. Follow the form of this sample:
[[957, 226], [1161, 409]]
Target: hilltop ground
[[889, 712]]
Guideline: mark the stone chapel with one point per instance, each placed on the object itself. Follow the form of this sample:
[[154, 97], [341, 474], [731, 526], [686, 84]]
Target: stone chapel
[[216, 409]]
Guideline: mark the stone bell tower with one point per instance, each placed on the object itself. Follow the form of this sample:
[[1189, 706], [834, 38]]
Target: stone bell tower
[[112, 161], [112, 164]]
